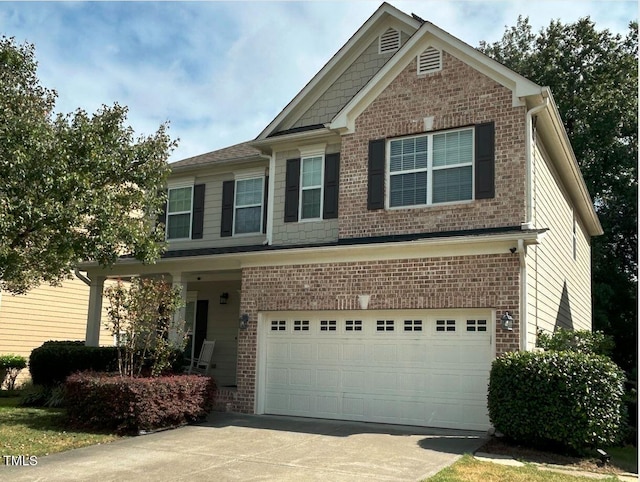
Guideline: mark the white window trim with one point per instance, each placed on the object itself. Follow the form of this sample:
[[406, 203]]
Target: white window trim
[[308, 188], [430, 169], [245, 177], [190, 212]]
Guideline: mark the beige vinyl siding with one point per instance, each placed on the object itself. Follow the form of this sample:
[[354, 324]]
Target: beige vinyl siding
[[558, 286], [213, 210], [318, 231], [46, 313]]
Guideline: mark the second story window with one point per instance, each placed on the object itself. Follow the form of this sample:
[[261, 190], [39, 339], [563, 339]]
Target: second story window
[[179, 212], [311, 187], [248, 205], [431, 169], [456, 165]]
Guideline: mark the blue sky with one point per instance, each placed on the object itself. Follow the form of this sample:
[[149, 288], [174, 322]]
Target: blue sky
[[219, 72]]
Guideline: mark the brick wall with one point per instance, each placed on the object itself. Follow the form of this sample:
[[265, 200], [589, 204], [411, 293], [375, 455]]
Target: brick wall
[[456, 96], [480, 281]]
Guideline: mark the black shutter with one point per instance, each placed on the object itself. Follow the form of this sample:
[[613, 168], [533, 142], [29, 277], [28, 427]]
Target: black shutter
[[264, 206], [292, 191], [197, 224], [331, 181], [228, 193], [485, 161], [375, 191]]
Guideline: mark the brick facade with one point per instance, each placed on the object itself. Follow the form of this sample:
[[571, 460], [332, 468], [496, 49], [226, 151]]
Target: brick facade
[[480, 281], [457, 96]]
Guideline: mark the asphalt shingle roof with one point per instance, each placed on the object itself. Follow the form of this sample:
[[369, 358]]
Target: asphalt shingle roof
[[227, 154]]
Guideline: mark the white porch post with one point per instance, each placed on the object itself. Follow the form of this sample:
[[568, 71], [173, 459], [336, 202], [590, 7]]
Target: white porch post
[[94, 313], [177, 281]]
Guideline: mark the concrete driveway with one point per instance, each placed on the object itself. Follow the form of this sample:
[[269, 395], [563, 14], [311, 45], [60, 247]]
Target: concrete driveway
[[260, 447]]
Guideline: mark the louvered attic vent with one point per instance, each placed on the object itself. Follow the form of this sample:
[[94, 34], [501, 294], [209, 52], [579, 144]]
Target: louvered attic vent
[[430, 61], [389, 41]]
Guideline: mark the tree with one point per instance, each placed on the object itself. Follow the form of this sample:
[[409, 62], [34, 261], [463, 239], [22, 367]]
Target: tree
[[73, 186], [593, 75], [141, 319]]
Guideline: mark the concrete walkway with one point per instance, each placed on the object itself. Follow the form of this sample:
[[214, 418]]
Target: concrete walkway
[[259, 447]]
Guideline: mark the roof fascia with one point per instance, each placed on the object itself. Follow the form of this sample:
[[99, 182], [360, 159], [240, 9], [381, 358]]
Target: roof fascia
[[340, 61], [431, 35], [557, 141], [418, 249]]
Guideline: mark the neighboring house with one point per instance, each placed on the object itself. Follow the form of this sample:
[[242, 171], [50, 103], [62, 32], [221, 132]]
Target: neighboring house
[[357, 259], [44, 313]]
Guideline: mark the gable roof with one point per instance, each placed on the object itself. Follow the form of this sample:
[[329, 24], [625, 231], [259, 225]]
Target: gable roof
[[384, 17]]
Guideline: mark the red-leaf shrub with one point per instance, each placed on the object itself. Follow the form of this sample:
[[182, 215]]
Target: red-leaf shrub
[[133, 405]]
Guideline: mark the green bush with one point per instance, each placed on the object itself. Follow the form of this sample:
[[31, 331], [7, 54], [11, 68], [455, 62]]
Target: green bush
[[583, 341], [557, 398], [10, 366], [51, 363], [133, 405]]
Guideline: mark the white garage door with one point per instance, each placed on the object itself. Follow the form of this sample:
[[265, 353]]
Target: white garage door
[[416, 368]]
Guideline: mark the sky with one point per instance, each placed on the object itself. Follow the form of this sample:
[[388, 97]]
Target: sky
[[219, 72]]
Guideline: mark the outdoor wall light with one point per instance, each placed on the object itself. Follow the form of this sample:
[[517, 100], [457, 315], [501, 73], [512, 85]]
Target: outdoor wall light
[[224, 297], [507, 321], [244, 321]]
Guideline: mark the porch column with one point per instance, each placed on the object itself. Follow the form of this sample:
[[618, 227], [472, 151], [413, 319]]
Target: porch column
[[94, 313], [177, 281]]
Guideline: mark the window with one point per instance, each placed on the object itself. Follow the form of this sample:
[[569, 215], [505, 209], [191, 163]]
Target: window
[[384, 325], [476, 325], [248, 205], [445, 325], [278, 325], [353, 325], [311, 187], [328, 325], [179, 212], [431, 169]]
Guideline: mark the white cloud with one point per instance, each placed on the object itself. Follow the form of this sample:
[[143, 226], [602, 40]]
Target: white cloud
[[220, 71]]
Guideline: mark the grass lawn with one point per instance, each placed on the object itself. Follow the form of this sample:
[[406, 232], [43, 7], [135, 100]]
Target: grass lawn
[[470, 469], [40, 431]]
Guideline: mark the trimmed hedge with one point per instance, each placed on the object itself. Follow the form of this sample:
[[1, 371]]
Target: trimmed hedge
[[51, 363], [133, 405], [557, 398]]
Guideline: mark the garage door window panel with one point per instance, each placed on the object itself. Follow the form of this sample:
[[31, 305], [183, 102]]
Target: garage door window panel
[[279, 325], [385, 325], [446, 326]]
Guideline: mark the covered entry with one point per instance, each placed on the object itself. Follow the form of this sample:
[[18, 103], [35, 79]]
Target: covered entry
[[406, 367]]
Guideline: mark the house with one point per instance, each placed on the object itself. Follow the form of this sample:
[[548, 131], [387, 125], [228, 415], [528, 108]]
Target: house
[[414, 212], [45, 313]]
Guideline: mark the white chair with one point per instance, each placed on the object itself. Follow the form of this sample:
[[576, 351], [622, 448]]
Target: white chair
[[203, 363]]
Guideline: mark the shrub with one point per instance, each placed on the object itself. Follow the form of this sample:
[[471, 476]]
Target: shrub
[[583, 341], [132, 405], [10, 366], [52, 362], [563, 398], [141, 317]]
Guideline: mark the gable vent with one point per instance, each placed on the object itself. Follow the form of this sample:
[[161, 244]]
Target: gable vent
[[430, 61], [389, 41]]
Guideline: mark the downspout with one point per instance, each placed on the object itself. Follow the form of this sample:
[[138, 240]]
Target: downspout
[[522, 253], [84, 278], [528, 153]]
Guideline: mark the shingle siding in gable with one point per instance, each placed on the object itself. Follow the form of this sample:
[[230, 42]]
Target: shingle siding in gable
[[343, 89], [456, 96]]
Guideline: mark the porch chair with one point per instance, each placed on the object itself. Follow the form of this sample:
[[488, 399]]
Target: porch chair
[[203, 363]]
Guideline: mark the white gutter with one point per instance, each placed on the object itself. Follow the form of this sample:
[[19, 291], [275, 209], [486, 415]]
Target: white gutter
[[528, 153]]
